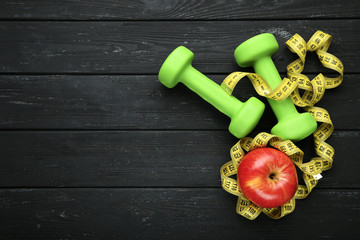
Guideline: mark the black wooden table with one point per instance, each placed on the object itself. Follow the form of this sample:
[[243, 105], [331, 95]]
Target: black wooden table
[[94, 147]]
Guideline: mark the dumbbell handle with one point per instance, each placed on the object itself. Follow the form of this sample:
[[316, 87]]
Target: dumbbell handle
[[210, 91], [265, 67]]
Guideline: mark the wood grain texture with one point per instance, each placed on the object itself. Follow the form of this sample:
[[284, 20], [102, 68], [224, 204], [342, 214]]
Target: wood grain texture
[[94, 147], [140, 47], [177, 10], [168, 214], [138, 102], [142, 158]]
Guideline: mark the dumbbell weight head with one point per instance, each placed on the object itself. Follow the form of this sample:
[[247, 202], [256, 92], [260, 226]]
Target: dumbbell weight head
[[174, 65], [296, 127], [247, 117], [255, 48]]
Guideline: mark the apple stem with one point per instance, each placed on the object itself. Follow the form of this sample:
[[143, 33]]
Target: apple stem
[[272, 175]]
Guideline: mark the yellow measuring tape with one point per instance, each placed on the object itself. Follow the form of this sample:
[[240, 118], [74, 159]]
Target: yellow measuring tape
[[314, 90]]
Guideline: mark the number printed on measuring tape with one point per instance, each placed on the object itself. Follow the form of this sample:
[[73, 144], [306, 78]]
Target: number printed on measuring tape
[[282, 91]]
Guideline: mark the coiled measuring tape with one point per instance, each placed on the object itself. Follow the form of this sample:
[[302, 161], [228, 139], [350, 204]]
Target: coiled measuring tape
[[314, 91]]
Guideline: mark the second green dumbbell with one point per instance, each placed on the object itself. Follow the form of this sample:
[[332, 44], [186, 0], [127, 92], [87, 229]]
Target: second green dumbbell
[[257, 52], [177, 68]]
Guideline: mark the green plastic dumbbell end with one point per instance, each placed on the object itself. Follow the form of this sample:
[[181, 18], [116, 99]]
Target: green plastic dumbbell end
[[257, 52], [247, 117], [177, 68], [174, 65], [296, 127]]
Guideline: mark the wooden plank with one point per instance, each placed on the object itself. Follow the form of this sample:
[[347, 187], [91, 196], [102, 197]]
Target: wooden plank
[[140, 47], [174, 10], [168, 214], [137, 102], [142, 158]]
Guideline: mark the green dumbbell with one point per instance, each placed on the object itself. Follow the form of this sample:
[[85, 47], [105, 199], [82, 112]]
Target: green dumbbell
[[177, 68], [257, 52]]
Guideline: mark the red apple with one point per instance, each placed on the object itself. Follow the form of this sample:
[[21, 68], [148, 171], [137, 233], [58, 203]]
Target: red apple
[[267, 177]]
